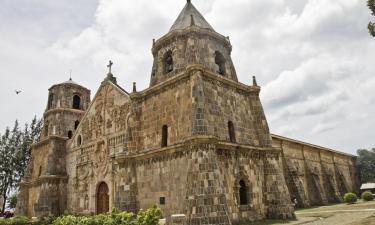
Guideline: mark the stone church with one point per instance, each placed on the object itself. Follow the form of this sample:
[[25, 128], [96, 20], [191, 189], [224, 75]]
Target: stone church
[[196, 142]]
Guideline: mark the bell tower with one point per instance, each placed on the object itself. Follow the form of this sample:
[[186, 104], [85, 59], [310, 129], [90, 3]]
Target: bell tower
[[191, 41], [66, 104], [43, 189]]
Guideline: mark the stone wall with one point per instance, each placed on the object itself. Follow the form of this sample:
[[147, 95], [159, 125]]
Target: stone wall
[[169, 104], [200, 178], [316, 175]]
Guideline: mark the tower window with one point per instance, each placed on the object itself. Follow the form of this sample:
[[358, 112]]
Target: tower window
[[164, 136], [50, 101], [76, 123], [79, 140], [168, 62], [232, 134], [76, 102], [220, 63], [243, 193], [70, 134]]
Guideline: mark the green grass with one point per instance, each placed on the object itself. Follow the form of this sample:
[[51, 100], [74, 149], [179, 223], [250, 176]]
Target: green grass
[[342, 206], [269, 222]]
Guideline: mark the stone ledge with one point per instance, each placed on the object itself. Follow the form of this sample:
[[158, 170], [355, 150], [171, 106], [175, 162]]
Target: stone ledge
[[46, 140], [188, 73], [193, 141], [193, 29], [43, 178], [59, 110]]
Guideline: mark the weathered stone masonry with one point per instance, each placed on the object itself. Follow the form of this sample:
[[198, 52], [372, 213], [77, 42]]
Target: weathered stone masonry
[[316, 175], [196, 142]]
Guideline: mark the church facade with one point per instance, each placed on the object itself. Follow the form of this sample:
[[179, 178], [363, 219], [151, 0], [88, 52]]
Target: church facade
[[196, 142]]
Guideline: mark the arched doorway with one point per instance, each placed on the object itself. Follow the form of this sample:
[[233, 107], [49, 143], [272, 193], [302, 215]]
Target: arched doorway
[[102, 199]]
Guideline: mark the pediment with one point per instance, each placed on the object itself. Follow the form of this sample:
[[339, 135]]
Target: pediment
[[106, 114]]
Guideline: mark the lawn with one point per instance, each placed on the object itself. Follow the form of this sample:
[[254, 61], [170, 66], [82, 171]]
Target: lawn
[[360, 213]]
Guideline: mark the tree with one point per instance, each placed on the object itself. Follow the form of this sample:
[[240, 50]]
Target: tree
[[9, 143], [12, 201], [371, 25], [366, 163], [15, 153]]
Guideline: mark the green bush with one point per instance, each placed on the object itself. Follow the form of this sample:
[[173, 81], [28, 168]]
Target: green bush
[[350, 198], [367, 196], [21, 220], [115, 217]]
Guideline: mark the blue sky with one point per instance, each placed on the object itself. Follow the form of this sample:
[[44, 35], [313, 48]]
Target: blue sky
[[313, 58]]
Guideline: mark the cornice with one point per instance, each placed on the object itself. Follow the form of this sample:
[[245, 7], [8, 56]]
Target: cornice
[[194, 140], [49, 138], [189, 71], [60, 110], [192, 30]]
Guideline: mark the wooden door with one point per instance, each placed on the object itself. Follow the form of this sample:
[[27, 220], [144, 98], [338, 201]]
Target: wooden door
[[102, 199]]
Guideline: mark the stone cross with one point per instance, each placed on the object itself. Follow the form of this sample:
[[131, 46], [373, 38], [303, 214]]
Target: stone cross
[[110, 66]]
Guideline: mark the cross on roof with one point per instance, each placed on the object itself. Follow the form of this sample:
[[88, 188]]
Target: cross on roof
[[110, 66]]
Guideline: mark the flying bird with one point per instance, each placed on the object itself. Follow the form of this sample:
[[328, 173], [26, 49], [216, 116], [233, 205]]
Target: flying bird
[[18, 91]]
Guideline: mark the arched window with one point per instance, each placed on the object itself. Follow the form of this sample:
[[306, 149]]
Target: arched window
[[50, 101], [164, 136], [220, 63], [76, 102], [243, 193], [70, 134], [168, 62], [232, 134], [76, 123], [79, 140]]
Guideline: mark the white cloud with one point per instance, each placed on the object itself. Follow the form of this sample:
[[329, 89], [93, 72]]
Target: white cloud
[[314, 58]]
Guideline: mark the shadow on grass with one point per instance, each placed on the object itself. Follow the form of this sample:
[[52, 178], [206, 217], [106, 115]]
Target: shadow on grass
[[269, 222]]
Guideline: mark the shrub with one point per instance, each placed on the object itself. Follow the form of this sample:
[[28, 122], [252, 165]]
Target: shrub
[[367, 196], [350, 198], [115, 217]]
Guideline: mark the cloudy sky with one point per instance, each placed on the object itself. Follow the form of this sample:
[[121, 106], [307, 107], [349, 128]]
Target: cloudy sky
[[313, 58]]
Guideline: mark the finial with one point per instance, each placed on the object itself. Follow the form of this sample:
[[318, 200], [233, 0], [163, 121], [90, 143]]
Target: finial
[[192, 23], [70, 75], [134, 87], [254, 81], [153, 41], [110, 66], [188, 1]]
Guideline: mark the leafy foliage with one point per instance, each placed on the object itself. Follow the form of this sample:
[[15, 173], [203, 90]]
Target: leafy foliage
[[371, 26], [366, 163], [144, 217], [350, 198], [25, 221], [367, 196], [12, 201], [15, 153]]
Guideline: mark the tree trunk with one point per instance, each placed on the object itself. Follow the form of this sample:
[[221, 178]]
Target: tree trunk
[[5, 200]]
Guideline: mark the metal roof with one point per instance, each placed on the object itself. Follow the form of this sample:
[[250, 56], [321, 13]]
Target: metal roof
[[368, 186]]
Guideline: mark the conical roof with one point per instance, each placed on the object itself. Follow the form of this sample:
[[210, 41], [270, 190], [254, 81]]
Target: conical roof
[[190, 16]]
